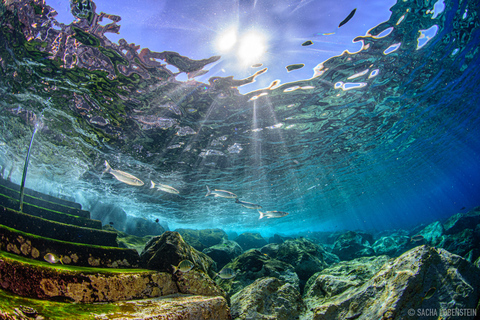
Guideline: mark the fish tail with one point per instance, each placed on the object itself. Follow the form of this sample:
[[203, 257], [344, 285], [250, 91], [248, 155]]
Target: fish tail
[[174, 269], [60, 259], [236, 200], [107, 167], [152, 185], [208, 191], [261, 214]]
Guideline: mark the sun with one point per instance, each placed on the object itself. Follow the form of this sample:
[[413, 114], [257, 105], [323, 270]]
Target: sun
[[248, 48], [252, 47]]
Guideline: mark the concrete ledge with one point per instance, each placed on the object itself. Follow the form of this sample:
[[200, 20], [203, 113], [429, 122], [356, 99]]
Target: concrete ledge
[[79, 254], [56, 230]]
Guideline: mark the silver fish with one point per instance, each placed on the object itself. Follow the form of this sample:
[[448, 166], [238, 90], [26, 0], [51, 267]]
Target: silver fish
[[123, 176], [221, 193], [163, 187], [51, 258], [184, 266], [226, 273], [272, 214], [248, 205]]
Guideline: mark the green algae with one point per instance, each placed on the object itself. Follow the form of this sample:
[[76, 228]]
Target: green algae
[[67, 268], [52, 309]]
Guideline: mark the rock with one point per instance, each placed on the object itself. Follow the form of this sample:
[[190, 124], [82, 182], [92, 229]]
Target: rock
[[224, 252], [142, 227], [461, 221], [252, 265], [305, 256], [432, 232], [423, 278], [267, 298], [351, 245], [248, 240], [107, 212], [459, 243], [201, 239], [276, 239], [393, 245], [169, 249], [198, 283], [340, 277]]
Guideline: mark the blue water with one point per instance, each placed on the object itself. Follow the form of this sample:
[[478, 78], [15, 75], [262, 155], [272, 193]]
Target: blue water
[[383, 138]]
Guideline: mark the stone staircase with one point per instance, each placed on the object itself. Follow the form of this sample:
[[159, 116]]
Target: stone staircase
[[94, 269]]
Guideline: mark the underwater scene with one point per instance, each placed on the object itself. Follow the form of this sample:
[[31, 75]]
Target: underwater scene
[[244, 159]]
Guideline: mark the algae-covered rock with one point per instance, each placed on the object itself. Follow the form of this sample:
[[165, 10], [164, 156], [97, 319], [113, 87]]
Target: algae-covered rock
[[249, 240], [340, 277], [252, 265], [267, 298], [201, 239], [459, 243], [198, 283], [393, 245], [461, 221], [432, 232], [305, 256], [169, 249], [351, 245], [423, 278], [224, 252]]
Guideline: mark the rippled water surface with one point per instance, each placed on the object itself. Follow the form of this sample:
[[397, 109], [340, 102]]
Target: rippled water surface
[[385, 135]]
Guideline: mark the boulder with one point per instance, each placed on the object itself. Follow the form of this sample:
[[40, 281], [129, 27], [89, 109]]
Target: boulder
[[393, 245], [423, 278], [142, 227], [305, 256], [161, 252], [461, 221], [340, 277], [432, 232], [201, 239], [248, 240], [252, 265], [224, 252], [351, 245], [276, 239], [267, 298], [459, 243]]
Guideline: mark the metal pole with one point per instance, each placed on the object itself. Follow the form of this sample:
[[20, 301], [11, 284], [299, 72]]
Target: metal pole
[[22, 186]]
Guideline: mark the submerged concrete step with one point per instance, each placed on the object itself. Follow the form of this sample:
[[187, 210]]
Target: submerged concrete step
[[38, 202], [78, 254], [40, 195], [42, 280], [172, 307], [56, 230], [49, 214]]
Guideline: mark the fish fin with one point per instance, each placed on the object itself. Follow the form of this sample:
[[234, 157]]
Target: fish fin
[[261, 214], [107, 167], [208, 191], [174, 268], [152, 185]]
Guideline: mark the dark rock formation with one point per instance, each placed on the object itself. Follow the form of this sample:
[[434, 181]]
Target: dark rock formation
[[169, 249], [142, 227], [249, 240], [201, 239], [393, 245], [224, 252], [305, 256], [252, 265], [422, 278], [267, 298], [351, 245], [460, 221]]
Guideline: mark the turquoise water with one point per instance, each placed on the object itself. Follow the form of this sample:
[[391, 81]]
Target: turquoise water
[[384, 137]]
